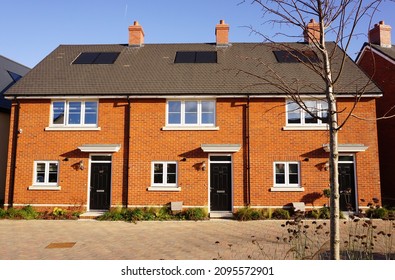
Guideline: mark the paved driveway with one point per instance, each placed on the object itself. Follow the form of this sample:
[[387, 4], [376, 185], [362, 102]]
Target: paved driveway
[[103, 240]]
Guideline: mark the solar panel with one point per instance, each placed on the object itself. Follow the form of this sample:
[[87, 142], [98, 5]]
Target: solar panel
[[206, 57], [185, 57], [96, 58], [196, 57], [296, 56]]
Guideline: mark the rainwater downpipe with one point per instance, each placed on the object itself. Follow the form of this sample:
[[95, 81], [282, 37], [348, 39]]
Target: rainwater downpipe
[[127, 147], [15, 132], [248, 151]]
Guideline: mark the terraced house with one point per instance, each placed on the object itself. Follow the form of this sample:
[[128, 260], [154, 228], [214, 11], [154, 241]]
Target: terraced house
[[137, 125]]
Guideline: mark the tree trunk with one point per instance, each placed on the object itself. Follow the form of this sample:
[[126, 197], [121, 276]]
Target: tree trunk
[[334, 179]]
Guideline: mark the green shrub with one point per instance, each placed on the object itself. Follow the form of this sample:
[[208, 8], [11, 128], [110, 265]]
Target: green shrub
[[28, 213], [324, 213], [247, 214], [377, 213], [3, 213], [281, 214], [195, 214], [57, 212], [315, 214]]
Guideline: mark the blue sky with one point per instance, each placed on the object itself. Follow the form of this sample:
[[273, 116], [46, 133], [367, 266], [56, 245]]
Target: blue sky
[[30, 30]]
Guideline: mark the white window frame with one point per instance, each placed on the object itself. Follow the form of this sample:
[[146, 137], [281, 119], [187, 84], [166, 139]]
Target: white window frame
[[302, 114], [46, 185], [286, 186], [182, 123], [67, 111], [163, 185]]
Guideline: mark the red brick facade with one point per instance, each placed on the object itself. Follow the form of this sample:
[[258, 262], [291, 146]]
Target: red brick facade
[[149, 142], [382, 71]]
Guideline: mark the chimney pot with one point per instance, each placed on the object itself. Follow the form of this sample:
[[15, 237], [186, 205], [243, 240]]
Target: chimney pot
[[380, 35], [222, 33], [136, 35]]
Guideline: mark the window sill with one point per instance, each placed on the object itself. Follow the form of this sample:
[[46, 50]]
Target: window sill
[[44, 188], [164, 189], [306, 127], [190, 128], [287, 189], [65, 128]]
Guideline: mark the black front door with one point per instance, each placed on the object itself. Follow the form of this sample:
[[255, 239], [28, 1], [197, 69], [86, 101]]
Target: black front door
[[347, 187], [100, 186], [220, 187]]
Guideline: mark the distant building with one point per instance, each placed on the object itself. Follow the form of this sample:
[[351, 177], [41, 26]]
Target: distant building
[[377, 59], [10, 73]]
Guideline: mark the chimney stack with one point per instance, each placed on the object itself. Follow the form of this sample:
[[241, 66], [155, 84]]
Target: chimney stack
[[312, 32], [380, 34], [222, 33], [136, 35]]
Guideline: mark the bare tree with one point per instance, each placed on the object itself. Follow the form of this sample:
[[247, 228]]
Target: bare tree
[[338, 20]]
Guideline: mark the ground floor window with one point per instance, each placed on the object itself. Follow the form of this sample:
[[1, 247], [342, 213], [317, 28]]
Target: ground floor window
[[286, 174], [46, 173], [164, 174]]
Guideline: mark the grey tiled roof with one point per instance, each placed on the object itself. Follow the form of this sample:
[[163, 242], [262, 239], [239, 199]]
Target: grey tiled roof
[[150, 70], [390, 52]]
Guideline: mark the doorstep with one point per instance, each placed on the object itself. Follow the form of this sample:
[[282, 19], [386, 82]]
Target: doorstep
[[221, 215], [92, 214]]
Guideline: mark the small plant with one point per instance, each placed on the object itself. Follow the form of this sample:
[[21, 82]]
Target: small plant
[[57, 212], [280, 214], [247, 214], [195, 214], [3, 213]]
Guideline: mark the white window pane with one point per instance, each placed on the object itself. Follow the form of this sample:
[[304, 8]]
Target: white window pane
[[158, 173], [191, 112], [75, 113], [174, 118], [58, 112], [90, 112], [324, 112], [293, 113], [208, 106], [40, 172], [191, 118], [174, 113], [207, 118], [53, 173], [311, 106], [191, 107]]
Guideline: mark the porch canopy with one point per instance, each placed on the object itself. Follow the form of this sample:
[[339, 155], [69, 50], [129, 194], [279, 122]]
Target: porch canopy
[[100, 148], [220, 148], [348, 148]]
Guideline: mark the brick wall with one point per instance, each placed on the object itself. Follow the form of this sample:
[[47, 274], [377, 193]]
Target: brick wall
[[269, 143], [384, 78]]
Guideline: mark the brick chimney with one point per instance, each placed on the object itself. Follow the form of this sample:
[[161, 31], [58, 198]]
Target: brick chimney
[[312, 32], [136, 35], [380, 34], [222, 33]]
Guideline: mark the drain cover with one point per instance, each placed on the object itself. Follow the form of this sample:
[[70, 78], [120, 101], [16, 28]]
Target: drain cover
[[60, 245]]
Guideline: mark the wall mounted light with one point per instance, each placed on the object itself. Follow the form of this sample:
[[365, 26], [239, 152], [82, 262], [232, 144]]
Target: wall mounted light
[[184, 159], [81, 165], [66, 159], [203, 165], [306, 159], [326, 165]]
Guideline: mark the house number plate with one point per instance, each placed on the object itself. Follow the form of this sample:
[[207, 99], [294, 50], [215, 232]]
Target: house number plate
[[220, 191], [99, 190]]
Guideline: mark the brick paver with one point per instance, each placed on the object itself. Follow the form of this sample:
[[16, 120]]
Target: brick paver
[[103, 240]]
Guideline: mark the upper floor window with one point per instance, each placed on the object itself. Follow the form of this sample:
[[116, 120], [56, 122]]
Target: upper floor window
[[74, 113], [190, 113], [316, 114]]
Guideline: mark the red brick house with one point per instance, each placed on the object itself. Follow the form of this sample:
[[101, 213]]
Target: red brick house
[[377, 59], [137, 125]]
